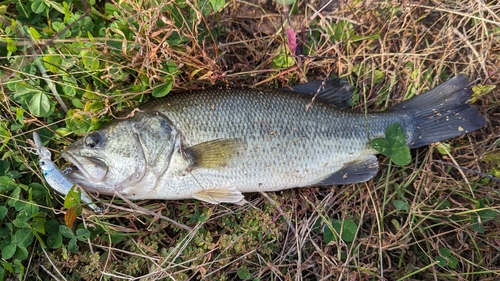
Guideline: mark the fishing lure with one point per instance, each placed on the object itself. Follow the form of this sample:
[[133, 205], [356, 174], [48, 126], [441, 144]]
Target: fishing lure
[[55, 177]]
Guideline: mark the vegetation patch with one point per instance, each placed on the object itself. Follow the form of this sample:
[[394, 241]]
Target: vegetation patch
[[68, 67]]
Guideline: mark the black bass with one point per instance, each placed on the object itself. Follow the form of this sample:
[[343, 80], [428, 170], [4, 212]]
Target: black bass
[[215, 145]]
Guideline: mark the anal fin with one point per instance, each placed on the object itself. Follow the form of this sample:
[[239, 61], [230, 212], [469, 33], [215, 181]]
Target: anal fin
[[359, 170], [220, 195]]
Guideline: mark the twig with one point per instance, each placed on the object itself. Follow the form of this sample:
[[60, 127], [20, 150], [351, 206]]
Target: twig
[[469, 170]]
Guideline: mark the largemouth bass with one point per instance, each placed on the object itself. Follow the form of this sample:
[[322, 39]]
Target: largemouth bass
[[215, 145]]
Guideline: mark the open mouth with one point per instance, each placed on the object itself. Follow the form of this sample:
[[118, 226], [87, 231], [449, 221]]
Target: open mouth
[[86, 168]]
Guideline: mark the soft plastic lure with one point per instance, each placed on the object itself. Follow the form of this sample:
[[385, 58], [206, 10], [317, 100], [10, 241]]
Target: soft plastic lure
[[55, 177]]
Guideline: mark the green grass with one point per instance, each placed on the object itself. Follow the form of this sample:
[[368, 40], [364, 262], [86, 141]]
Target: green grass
[[68, 67]]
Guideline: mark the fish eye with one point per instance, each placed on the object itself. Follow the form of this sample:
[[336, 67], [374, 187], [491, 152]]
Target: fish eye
[[93, 140]]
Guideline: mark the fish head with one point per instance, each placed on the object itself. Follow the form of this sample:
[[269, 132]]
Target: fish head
[[122, 157]]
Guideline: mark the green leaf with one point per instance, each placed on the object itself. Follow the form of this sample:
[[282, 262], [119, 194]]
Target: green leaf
[[401, 205], [21, 253], [9, 251], [35, 34], [39, 105], [487, 215], [441, 261], [31, 208], [72, 245], [445, 252], [3, 212], [38, 223], [244, 273], [443, 148], [52, 226], [82, 234], [52, 63], [163, 90], [38, 6], [452, 262], [347, 229], [7, 184], [393, 145], [54, 241], [73, 197], [217, 5], [481, 90], [66, 231], [23, 237]]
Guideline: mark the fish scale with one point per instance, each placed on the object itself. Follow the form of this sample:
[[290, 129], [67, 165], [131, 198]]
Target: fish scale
[[214, 145]]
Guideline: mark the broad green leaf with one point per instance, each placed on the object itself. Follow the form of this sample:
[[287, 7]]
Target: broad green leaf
[[9, 251], [23, 237], [243, 273], [441, 261], [487, 215], [7, 184], [163, 90], [401, 205], [72, 245], [73, 197], [35, 34], [22, 88], [54, 240], [282, 61], [393, 145], [82, 234], [31, 208], [347, 229], [481, 90], [66, 231], [21, 253], [38, 223], [53, 63], [401, 155], [3, 212], [452, 262], [11, 45], [217, 5], [39, 105], [58, 26], [445, 252], [38, 6], [52, 226]]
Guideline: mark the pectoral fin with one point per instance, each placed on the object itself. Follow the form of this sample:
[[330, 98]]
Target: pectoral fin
[[220, 195], [214, 154], [359, 170]]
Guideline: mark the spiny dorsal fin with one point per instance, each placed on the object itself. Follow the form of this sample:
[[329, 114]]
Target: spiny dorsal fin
[[214, 154], [332, 91]]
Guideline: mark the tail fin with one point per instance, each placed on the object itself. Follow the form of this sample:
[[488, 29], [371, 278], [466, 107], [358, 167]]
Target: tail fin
[[442, 113]]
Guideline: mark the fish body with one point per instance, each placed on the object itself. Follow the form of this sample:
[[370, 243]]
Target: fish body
[[217, 144], [56, 178]]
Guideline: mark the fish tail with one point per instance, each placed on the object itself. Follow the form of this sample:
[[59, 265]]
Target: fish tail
[[441, 113]]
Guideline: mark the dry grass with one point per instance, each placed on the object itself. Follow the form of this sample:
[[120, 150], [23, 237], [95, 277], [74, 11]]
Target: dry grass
[[447, 200]]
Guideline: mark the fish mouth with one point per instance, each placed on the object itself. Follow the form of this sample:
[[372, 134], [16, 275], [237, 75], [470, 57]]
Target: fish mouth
[[89, 168]]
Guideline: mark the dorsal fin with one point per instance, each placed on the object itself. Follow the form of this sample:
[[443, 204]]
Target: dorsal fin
[[332, 91]]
